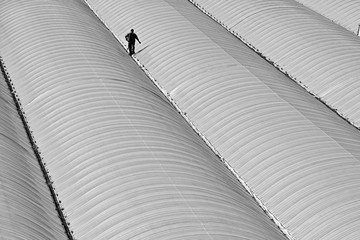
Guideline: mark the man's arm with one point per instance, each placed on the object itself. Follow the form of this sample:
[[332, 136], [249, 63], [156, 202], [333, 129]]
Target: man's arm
[[136, 37]]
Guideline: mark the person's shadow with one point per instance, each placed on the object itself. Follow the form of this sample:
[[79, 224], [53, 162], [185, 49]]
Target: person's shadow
[[141, 49]]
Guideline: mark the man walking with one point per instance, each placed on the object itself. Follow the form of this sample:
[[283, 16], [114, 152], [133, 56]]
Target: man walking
[[131, 37]]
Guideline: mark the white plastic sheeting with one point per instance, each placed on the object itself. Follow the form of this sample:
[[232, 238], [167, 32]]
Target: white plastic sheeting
[[26, 207], [342, 12], [318, 53], [125, 164], [300, 158]]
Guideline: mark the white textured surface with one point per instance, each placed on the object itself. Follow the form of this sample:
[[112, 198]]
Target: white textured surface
[[299, 157], [319, 54], [342, 12], [126, 165], [26, 207]]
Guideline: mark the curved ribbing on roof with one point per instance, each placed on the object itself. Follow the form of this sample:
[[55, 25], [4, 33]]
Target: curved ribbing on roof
[[26, 207], [299, 157], [125, 164], [319, 54], [342, 12]]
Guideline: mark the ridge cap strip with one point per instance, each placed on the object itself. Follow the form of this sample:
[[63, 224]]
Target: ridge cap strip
[[35, 148]]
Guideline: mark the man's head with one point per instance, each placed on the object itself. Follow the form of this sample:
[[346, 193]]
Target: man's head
[[132, 30]]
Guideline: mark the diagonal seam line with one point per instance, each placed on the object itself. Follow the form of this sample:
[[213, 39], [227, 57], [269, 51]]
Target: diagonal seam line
[[168, 98], [35, 148], [277, 66]]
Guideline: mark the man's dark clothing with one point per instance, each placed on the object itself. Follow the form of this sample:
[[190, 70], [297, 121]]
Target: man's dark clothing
[[131, 37]]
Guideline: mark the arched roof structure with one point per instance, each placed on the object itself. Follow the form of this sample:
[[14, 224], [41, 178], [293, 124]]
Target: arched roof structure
[[249, 155], [263, 123], [124, 162], [319, 54]]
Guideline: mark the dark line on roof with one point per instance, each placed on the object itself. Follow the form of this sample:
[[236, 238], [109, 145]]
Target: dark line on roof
[[35, 148]]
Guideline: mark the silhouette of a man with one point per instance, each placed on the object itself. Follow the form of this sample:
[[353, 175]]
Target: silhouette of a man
[[131, 37]]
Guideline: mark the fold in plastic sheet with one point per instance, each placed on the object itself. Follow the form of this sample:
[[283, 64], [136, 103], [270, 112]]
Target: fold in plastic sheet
[[298, 156], [125, 164], [27, 210], [321, 55]]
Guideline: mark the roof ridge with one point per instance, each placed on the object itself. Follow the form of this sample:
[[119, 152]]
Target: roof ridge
[[37, 153]]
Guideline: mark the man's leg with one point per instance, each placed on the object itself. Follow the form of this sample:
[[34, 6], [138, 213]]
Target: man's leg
[[130, 48]]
